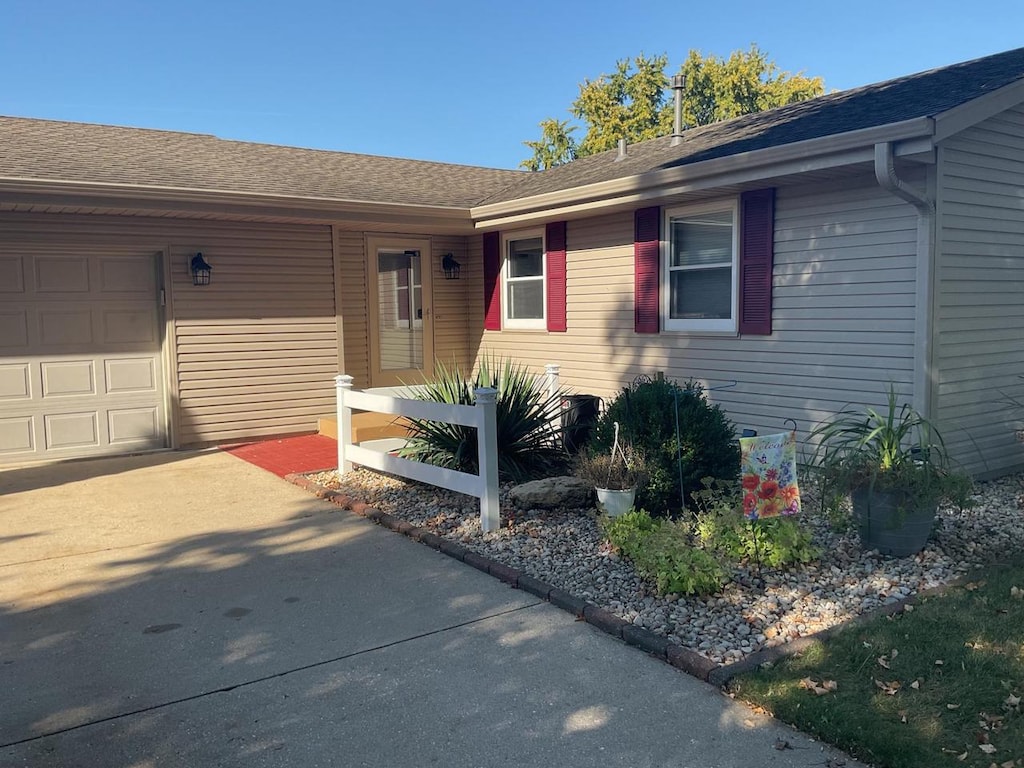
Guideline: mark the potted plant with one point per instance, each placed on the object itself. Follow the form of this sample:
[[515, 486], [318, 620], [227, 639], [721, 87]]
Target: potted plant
[[615, 476], [894, 467]]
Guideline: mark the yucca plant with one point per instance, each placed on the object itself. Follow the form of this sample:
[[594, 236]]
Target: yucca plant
[[529, 439]]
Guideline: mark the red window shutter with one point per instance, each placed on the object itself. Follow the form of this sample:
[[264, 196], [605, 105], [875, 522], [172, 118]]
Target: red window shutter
[[554, 242], [757, 234], [646, 268], [492, 281]]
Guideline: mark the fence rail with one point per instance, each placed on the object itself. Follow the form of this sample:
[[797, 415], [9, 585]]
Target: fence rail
[[482, 417]]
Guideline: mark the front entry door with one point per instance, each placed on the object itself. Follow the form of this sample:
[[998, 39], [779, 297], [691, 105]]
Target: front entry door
[[401, 317]]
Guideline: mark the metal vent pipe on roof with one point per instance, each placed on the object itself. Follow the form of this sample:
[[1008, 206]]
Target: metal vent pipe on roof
[[678, 86], [622, 151]]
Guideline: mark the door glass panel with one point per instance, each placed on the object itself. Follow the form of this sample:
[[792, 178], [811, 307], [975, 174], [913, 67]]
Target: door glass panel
[[400, 307]]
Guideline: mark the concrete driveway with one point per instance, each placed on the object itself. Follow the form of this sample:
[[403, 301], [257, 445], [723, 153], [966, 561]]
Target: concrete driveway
[[190, 609]]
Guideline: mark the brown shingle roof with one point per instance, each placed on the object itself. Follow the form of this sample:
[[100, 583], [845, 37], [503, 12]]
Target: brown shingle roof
[[60, 151]]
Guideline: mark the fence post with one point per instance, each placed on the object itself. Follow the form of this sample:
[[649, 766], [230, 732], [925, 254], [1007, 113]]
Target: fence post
[[343, 384], [487, 458], [552, 370]]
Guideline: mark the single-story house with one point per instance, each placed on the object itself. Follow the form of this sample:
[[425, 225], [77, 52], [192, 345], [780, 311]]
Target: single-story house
[[801, 259]]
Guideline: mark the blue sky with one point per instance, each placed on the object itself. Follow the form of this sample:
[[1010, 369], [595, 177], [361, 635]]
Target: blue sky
[[453, 81]]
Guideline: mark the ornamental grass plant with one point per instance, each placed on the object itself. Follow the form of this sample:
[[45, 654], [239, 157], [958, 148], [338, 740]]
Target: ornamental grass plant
[[894, 450]]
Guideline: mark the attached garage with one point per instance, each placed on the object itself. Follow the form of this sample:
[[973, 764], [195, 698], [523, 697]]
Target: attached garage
[[80, 352]]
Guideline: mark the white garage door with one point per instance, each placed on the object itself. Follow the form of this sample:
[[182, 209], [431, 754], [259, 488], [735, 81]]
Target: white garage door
[[80, 371]]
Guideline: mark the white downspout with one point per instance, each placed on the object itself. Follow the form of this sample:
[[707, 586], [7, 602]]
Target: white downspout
[[924, 385]]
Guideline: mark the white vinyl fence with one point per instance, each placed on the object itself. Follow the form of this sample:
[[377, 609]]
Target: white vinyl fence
[[482, 417]]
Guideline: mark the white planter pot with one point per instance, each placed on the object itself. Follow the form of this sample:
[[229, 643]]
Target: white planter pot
[[614, 503]]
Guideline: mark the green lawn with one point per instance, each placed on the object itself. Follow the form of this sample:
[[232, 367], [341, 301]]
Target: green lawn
[[938, 685]]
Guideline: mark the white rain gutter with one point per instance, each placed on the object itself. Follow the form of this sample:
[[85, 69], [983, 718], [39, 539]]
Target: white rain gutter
[[925, 380]]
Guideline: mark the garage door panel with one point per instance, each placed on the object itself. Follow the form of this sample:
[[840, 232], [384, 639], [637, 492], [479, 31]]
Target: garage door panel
[[68, 378], [130, 375], [134, 425], [13, 329], [71, 430], [127, 277], [17, 435], [65, 327], [130, 325], [61, 274], [15, 381], [12, 274]]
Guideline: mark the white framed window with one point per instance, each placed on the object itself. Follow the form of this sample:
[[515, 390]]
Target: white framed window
[[700, 268], [524, 303]]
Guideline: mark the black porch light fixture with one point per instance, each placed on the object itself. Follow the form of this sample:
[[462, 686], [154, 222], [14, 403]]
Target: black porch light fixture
[[200, 270], [450, 267]]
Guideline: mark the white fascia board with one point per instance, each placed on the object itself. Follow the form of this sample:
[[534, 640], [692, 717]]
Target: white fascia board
[[787, 159], [960, 118]]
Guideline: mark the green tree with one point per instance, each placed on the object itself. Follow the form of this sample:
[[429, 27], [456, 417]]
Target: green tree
[[634, 103], [555, 146]]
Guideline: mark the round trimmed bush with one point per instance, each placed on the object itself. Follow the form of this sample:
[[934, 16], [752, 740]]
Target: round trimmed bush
[[646, 412]]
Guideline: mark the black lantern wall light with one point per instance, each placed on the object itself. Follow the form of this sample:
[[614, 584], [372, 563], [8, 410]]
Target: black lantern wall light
[[450, 267], [200, 270]]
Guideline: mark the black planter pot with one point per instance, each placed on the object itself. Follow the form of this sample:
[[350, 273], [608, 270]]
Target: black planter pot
[[888, 523]]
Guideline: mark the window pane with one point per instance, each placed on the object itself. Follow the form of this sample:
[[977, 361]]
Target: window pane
[[701, 294], [526, 257], [526, 300], [704, 239], [400, 309]]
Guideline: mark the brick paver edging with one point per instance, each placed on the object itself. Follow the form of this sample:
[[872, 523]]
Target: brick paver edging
[[682, 658]]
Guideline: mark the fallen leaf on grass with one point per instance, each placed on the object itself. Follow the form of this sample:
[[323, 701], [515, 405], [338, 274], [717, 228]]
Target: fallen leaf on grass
[[818, 689], [973, 585], [916, 684], [889, 688], [952, 706], [903, 715], [990, 722], [939, 662], [883, 662], [908, 608], [1017, 593], [988, 749], [1012, 702]]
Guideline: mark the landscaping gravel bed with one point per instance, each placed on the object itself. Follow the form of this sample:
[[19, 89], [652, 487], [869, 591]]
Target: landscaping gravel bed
[[759, 608]]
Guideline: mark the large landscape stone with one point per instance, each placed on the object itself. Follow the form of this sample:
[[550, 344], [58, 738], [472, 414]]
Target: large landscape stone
[[552, 493]]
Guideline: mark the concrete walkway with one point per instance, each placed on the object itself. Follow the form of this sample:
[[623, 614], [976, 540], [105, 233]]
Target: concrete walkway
[[191, 609]]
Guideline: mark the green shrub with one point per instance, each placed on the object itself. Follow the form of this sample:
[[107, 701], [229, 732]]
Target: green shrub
[[647, 413], [529, 442], [722, 527], [663, 553]]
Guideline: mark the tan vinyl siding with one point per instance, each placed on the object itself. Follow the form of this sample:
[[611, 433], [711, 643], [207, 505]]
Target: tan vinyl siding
[[980, 292], [453, 311], [351, 263], [254, 352], [843, 313]]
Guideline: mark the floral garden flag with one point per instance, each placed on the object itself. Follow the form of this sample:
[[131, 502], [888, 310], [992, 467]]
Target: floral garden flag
[[769, 475]]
